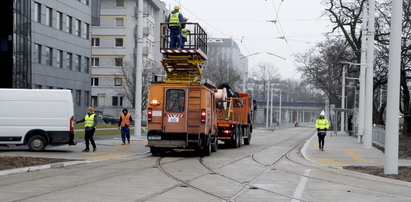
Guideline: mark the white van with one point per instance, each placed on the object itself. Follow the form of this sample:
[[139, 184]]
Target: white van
[[36, 117]]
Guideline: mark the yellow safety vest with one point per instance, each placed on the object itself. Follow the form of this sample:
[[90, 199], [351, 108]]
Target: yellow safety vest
[[174, 20], [89, 120], [185, 32], [321, 123]]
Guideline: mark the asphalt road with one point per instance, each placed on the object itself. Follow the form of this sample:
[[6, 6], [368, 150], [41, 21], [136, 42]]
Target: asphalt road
[[270, 169]]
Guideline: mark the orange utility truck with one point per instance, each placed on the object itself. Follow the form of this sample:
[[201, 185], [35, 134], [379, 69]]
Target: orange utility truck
[[234, 118], [181, 108]]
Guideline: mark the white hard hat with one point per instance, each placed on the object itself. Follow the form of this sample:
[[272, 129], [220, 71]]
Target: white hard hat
[[322, 113]]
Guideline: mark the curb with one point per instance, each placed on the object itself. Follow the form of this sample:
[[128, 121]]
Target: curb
[[42, 167]]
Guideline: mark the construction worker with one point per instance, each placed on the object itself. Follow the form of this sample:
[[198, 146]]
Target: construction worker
[[184, 33], [124, 123], [175, 19], [89, 127], [322, 125]]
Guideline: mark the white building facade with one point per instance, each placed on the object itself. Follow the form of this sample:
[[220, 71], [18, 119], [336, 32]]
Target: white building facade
[[114, 51]]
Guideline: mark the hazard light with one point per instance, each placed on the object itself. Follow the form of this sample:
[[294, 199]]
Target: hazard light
[[72, 123], [203, 115], [149, 114], [155, 102]]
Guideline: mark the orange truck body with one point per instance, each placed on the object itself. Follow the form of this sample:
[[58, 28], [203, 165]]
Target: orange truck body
[[234, 123], [181, 116]]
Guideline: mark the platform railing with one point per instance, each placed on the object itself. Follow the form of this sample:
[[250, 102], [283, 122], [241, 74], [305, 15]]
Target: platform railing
[[196, 39]]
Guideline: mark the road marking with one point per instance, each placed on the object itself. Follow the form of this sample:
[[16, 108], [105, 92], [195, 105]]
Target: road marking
[[114, 148], [301, 185], [355, 156], [328, 162], [110, 156]]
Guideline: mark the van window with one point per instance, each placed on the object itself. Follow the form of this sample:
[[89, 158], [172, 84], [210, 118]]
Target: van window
[[175, 100]]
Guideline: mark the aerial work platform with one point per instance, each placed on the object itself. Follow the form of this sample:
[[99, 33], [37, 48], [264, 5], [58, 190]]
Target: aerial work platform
[[185, 63]]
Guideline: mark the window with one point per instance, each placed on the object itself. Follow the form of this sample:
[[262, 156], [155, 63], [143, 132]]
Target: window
[[49, 16], [49, 56], [78, 63], [70, 61], [101, 101], [114, 101], [37, 12], [94, 81], [94, 101], [86, 98], [69, 24], [175, 100], [86, 31], [119, 22], [59, 20], [95, 42], [87, 2], [119, 42], [118, 81], [120, 3], [118, 62], [59, 59], [78, 97], [95, 62], [37, 53], [87, 65], [78, 28]]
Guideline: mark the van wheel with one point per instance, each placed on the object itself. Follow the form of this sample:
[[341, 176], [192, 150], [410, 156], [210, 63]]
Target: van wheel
[[37, 143]]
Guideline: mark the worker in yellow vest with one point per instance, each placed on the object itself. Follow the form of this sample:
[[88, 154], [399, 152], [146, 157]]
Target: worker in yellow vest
[[124, 124], [322, 125], [175, 19], [184, 33], [89, 127]]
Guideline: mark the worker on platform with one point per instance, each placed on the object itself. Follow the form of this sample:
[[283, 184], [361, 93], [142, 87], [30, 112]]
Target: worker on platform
[[89, 127], [175, 20], [124, 124], [322, 125], [184, 33]]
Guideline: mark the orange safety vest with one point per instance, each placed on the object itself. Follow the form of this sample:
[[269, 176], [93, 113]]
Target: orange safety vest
[[125, 120]]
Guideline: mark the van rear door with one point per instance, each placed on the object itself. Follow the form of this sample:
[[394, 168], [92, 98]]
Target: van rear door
[[174, 118]]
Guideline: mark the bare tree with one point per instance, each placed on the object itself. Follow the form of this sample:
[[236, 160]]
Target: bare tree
[[220, 71]]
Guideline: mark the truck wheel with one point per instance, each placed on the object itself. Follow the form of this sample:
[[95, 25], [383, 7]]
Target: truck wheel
[[214, 147], [37, 143], [207, 148], [248, 138], [240, 136]]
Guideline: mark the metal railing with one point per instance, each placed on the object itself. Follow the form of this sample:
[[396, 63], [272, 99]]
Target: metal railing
[[196, 38], [378, 136]]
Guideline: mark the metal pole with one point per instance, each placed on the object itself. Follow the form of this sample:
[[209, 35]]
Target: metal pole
[[267, 104], [393, 94], [139, 69], [271, 106], [361, 106], [279, 112], [369, 78], [343, 100]]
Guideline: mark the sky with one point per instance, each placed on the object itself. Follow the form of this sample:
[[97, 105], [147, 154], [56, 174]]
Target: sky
[[246, 21]]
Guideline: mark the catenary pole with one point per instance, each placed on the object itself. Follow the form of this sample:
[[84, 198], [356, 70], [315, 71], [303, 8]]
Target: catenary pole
[[393, 94], [369, 77], [361, 105], [267, 104], [271, 106], [343, 100], [139, 69]]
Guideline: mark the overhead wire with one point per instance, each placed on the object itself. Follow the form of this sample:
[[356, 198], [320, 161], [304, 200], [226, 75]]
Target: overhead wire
[[278, 25]]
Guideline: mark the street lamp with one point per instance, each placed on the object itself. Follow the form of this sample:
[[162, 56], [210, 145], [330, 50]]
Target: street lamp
[[245, 73]]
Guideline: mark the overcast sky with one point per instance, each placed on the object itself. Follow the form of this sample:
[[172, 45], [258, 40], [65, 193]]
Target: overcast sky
[[245, 21]]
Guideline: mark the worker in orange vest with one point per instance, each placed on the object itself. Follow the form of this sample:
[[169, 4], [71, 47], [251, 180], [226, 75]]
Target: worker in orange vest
[[124, 123]]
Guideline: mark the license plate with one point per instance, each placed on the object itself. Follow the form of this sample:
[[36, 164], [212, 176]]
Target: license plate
[[173, 119], [155, 138]]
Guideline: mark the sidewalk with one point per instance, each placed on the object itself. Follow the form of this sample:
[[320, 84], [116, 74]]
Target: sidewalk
[[343, 150]]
